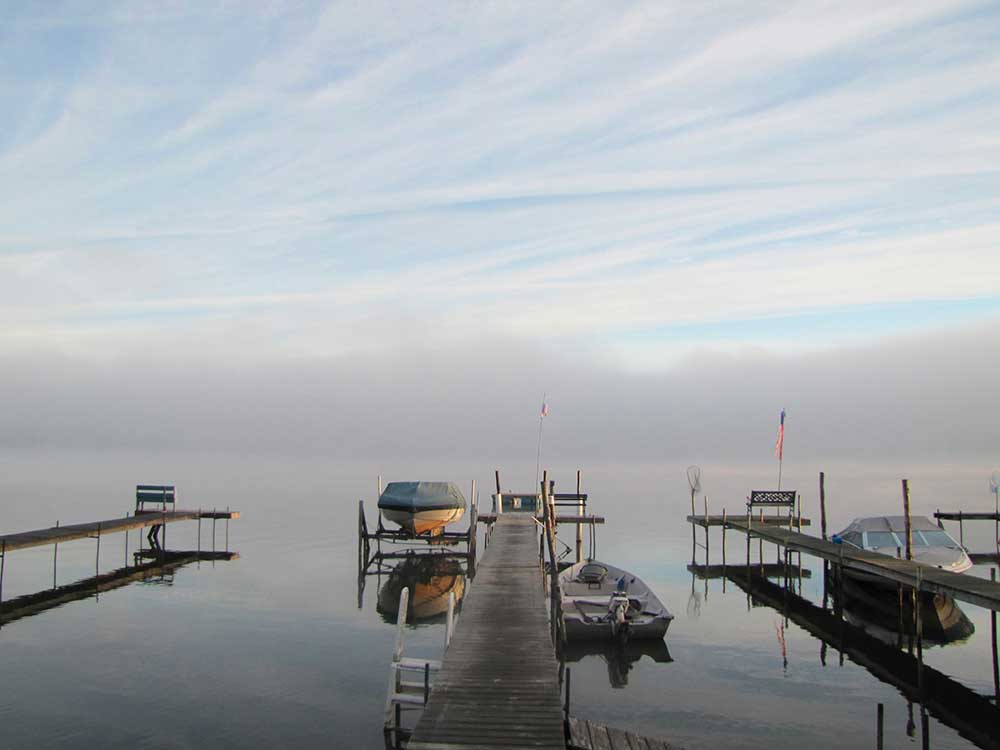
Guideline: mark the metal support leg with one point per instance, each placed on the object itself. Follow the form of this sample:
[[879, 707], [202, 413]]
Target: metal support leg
[[55, 557], [97, 557]]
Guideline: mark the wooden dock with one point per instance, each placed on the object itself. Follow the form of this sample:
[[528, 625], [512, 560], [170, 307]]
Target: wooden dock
[[706, 521], [588, 735], [143, 519], [909, 573], [498, 686]]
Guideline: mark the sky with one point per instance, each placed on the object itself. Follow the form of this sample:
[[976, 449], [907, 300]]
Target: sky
[[366, 227]]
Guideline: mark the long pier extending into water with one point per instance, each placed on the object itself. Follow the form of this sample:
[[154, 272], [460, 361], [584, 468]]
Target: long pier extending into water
[[498, 686]]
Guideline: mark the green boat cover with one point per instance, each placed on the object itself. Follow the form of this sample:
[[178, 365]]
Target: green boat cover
[[418, 496]]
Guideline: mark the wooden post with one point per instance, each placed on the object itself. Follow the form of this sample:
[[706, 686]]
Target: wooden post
[[566, 708], [55, 557], [993, 631], [213, 529], [3, 563], [822, 504], [553, 567], [906, 515], [97, 557], [880, 727], [499, 508], [579, 526], [961, 530], [706, 530], [723, 548]]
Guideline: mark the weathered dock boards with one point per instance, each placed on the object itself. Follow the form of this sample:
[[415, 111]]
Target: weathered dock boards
[[586, 735], [498, 686], [972, 589], [60, 534], [489, 518]]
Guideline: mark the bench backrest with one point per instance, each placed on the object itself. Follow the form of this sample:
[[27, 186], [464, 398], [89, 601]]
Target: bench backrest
[[154, 493], [772, 499]]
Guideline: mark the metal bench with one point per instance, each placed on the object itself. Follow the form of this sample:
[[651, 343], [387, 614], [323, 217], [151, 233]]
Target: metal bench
[[776, 499], [159, 494]]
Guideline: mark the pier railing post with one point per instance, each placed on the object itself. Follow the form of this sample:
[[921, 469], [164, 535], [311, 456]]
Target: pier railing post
[[97, 557], [880, 727], [580, 510], [906, 515], [822, 504], [55, 558], [993, 641]]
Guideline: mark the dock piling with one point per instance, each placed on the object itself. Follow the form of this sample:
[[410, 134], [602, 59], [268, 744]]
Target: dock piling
[[906, 515], [97, 556], [993, 632], [880, 727], [55, 557], [581, 508], [822, 504]]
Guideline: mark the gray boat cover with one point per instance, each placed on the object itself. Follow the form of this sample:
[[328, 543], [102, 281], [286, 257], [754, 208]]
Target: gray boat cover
[[417, 496], [891, 523]]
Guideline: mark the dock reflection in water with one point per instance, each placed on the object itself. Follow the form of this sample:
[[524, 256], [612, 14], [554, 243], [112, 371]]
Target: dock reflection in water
[[149, 567], [620, 657], [863, 642]]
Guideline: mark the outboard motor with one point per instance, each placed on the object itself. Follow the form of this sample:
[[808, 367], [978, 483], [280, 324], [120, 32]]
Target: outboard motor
[[618, 609]]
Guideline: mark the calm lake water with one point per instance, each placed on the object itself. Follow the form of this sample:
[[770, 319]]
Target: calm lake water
[[272, 649]]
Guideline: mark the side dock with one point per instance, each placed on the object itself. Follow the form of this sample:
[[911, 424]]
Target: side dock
[[909, 573], [498, 686], [93, 529]]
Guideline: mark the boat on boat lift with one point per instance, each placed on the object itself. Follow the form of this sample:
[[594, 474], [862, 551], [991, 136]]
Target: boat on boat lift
[[422, 508], [601, 601]]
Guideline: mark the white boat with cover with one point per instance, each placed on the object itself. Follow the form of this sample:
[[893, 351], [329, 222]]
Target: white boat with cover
[[931, 544], [422, 507], [600, 601]]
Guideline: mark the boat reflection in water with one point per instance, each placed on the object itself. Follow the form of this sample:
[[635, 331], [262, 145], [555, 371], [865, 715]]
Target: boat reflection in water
[[620, 657], [877, 610], [430, 578]]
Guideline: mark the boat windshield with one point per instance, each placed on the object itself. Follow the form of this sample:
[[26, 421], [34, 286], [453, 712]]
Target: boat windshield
[[934, 539], [882, 539]]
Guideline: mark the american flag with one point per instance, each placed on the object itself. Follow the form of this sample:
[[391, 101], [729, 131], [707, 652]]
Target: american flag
[[779, 446], [545, 409]]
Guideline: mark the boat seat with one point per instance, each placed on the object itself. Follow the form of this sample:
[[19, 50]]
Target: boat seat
[[592, 573]]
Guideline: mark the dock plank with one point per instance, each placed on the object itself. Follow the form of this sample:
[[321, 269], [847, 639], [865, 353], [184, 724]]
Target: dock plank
[[498, 686]]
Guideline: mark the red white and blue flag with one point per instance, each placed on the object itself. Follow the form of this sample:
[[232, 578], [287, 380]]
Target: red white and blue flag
[[545, 409], [779, 446]]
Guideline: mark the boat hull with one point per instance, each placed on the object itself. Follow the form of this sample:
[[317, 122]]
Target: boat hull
[[423, 521]]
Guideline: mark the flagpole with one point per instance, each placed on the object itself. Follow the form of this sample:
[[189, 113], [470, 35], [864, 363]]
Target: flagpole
[[779, 473], [538, 456]]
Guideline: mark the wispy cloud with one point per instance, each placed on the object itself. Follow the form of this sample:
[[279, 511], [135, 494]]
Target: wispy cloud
[[336, 175]]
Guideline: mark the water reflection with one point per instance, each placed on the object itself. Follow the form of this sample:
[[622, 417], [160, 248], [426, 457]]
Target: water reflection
[[885, 614], [430, 578], [149, 566], [620, 657], [969, 713]]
